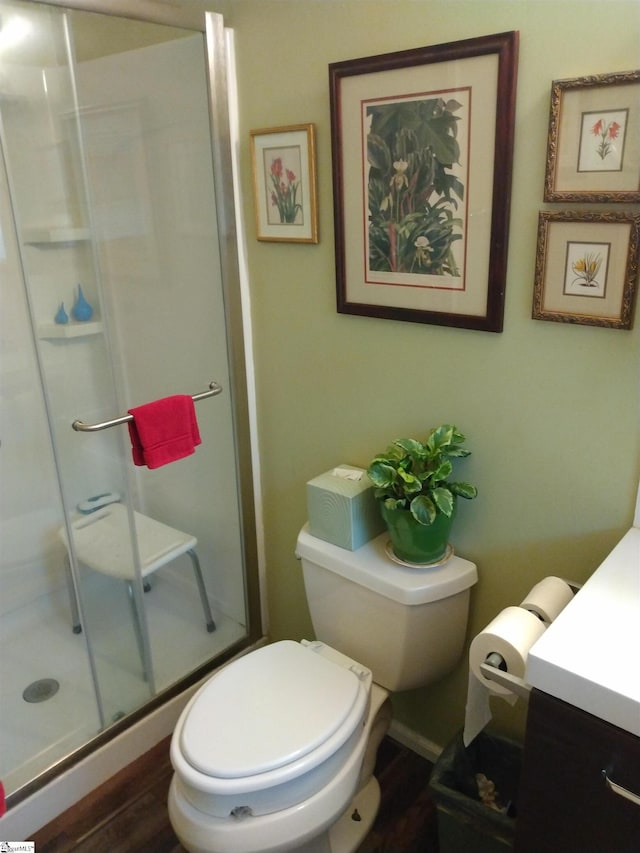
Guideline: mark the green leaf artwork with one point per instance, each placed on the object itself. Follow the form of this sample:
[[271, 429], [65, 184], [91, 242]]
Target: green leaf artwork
[[413, 190]]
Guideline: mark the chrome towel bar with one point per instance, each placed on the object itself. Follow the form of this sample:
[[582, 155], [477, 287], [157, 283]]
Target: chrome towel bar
[[80, 426]]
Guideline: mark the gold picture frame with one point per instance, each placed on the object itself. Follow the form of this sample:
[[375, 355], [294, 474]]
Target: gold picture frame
[[284, 183], [593, 152], [587, 268]]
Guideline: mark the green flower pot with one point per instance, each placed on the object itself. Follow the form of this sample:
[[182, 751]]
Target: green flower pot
[[417, 543]]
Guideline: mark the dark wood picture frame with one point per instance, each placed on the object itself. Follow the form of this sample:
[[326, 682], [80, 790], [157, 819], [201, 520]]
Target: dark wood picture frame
[[445, 261]]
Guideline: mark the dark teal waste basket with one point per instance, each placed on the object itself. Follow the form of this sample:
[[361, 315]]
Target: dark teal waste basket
[[465, 823]]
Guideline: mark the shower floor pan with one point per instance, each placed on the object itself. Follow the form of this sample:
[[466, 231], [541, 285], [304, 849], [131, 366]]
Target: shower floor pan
[[39, 645]]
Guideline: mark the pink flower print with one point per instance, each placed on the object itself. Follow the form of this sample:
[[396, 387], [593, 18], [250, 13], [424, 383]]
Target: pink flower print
[[607, 132], [614, 127], [284, 191]]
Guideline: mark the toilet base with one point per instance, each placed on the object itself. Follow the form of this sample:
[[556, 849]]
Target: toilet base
[[345, 836], [348, 833]]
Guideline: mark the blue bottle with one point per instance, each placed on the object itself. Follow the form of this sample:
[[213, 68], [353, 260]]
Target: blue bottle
[[81, 310], [61, 317]]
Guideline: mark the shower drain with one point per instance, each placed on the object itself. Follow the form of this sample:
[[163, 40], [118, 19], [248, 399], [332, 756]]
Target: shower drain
[[41, 690]]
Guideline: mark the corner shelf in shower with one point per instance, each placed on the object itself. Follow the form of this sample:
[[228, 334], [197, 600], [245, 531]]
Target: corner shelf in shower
[[55, 237], [51, 331]]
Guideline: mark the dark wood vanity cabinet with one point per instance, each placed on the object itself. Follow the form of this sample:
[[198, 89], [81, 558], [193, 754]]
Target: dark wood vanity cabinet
[[565, 804]]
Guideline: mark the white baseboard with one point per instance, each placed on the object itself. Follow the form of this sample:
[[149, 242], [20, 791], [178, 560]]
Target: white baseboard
[[414, 741]]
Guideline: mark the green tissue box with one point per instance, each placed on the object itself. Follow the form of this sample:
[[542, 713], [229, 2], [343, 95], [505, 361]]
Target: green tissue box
[[342, 509]]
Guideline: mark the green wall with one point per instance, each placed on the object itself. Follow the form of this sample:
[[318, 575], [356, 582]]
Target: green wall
[[551, 412]]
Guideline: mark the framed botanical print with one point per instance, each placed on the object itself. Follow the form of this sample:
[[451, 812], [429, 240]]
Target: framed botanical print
[[594, 143], [284, 183], [587, 268], [422, 144]]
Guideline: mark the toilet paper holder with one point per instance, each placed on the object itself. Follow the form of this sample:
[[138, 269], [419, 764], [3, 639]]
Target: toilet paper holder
[[495, 669]]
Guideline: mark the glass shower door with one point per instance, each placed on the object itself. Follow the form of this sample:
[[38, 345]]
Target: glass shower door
[[109, 158], [48, 704], [146, 150], [64, 683]]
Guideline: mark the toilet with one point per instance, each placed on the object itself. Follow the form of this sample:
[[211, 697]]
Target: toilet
[[276, 751]]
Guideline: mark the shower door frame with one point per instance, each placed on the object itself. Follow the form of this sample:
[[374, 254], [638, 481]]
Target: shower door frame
[[211, 25]]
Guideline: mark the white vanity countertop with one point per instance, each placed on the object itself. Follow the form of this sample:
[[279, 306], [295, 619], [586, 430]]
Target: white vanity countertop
[[590, 655]]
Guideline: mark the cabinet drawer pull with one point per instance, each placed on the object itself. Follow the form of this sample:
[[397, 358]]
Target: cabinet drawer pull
[[618, 789]]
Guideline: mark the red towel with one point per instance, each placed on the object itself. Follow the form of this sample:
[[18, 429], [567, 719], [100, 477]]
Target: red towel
[[3, 805], [164, 431]]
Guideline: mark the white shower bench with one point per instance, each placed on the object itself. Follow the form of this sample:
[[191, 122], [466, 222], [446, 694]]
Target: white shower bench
[[102, 541]]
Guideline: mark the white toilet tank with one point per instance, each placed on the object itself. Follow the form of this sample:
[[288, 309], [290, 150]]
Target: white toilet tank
[[407, 625]]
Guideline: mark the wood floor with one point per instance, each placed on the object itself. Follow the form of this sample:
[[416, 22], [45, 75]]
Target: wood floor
[[128, 814]]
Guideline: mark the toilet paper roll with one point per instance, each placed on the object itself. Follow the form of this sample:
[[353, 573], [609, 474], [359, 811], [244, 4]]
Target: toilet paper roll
[[548, 598], [511, 634]]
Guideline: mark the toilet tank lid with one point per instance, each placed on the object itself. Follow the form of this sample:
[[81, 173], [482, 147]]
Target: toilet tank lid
[[371, 567]]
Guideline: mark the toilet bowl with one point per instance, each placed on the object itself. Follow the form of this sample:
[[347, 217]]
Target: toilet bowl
[[276, 751], [298, 720]]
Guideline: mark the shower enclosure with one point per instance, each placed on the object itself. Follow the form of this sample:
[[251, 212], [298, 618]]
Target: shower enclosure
[[119, 584]]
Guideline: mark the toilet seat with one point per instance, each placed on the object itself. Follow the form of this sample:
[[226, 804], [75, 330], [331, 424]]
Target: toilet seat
[[271, 728]]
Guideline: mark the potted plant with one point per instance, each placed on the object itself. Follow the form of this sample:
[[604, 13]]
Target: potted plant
[[417, 500]]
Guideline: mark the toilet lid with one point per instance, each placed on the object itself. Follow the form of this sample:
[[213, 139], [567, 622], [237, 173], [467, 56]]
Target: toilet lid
[[271, 708]]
